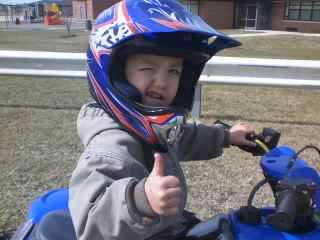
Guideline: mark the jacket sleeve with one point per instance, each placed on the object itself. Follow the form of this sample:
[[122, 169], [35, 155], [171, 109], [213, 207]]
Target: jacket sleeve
[[102, 189], [202, 142]]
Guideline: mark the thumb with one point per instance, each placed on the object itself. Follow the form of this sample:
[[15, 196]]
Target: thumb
[[158, 165]]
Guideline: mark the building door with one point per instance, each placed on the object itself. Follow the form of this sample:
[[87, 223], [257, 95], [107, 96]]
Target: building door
[[247, 15]]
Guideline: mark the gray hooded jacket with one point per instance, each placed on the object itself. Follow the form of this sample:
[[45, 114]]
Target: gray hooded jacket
[[107, 199]]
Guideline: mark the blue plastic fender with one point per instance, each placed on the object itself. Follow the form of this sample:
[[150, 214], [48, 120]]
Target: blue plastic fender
[[56, 199]]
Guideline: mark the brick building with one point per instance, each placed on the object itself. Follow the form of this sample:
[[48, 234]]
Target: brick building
[[292, 15]]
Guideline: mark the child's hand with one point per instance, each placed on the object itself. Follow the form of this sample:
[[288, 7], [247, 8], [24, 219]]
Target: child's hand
[[163, 192], [238, 133]]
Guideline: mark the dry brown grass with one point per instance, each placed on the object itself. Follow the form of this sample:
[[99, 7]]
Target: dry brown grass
[[224, 183], [280, 46], [39, 146], [277, 46], [53, 41]]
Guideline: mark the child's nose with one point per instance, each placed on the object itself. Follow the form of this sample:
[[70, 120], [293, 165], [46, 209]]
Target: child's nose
[[161, 79]]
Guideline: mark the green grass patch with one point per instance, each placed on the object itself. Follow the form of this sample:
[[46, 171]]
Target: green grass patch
[[280, 46], [40, 147], [51, 41], [262, 104], [42, 92], [39, 143]]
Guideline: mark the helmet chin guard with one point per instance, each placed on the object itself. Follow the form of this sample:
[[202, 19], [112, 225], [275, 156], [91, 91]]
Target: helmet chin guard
[[168, 130]]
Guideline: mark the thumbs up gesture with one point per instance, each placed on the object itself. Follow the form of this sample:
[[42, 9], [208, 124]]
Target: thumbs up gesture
[[163, 192]]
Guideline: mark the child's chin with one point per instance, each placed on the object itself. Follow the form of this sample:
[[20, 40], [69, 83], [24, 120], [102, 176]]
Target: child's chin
[[155, 104]]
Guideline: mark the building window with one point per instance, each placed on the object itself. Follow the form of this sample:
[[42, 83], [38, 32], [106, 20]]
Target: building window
[[191, 5], [303, 10], [316, 12]]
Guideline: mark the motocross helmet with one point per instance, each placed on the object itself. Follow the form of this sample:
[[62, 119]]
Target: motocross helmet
[[149, 27]]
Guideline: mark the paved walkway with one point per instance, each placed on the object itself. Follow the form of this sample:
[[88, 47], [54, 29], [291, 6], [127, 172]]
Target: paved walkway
[[251, 33]]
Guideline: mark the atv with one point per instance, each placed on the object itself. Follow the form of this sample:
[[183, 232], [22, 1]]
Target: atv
[[295, 215]]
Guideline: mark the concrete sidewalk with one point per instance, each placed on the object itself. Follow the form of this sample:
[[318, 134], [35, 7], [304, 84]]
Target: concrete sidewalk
[[257, 33]]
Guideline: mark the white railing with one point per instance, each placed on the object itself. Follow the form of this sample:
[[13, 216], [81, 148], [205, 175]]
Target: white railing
[[263, 62], [42, 73], [217, 60], [41, 55], [204, 79]]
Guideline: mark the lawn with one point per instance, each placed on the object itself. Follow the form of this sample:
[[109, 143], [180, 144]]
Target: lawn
[[40, 147], [53, 41], [279, 46]]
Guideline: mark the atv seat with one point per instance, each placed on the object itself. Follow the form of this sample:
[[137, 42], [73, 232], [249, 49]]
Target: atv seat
[[218, 227], [55, 225]]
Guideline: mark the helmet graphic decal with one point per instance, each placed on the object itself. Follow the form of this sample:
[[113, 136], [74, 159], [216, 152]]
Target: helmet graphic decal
[[118, 26], [174, 16], [106, 36], [163, 14]]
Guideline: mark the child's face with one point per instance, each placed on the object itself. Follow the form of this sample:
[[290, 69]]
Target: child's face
[[156, 77]]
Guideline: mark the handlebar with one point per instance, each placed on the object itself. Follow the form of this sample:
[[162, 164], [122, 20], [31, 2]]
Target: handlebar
[[265, 141]]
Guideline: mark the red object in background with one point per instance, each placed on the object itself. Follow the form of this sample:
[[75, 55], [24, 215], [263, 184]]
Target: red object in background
[[54, 15], [53, 20]]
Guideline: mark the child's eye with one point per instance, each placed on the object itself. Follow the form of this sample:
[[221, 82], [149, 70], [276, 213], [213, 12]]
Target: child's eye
[[145, 69], [175, 71]]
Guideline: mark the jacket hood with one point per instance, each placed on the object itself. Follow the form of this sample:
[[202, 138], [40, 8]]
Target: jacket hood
[[92, 120]]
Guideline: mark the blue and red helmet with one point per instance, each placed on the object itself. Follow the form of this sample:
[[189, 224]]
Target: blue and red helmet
[[161, 27]]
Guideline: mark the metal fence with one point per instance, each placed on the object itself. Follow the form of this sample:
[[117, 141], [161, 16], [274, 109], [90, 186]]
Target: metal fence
[[219, 70]]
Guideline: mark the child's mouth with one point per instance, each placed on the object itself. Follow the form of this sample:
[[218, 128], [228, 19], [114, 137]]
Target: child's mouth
[[154, 95], [154, 99]]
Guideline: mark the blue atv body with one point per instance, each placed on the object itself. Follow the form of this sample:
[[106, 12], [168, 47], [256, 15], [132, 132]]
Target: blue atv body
[[280, 166], [264, 231], [275, 164]]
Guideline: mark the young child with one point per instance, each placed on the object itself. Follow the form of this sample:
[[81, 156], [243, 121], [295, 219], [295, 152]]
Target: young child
[[144, 61]]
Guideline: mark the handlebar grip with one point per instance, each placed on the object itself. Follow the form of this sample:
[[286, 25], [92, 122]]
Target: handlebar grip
[[284, 217], [265, 141]]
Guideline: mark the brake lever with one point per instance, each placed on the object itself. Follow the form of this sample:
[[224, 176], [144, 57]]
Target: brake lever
[[259, 149], [265, 141]]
